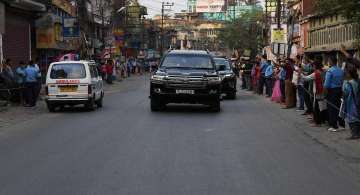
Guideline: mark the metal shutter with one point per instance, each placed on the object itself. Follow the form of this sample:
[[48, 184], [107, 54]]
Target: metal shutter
[[16, 41]]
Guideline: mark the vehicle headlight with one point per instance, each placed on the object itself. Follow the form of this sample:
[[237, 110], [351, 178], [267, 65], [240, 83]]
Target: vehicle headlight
[[158, 77], [228, 75]]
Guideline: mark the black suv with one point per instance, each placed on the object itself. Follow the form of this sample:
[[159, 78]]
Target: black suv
[[228, 77], [186, 77]]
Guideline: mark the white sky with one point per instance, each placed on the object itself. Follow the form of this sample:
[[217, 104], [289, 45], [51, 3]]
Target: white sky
[[154, 6]]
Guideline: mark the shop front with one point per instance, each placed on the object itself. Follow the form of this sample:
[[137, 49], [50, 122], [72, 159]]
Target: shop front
[[18, 18], [50, 41]]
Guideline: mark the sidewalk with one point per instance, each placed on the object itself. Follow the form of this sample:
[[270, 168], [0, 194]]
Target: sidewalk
[[336, 142], [13, 114]]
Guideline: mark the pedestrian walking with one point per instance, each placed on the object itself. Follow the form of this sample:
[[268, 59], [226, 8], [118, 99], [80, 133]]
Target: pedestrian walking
[[333, 84], [350, 109], [109, 71], [247, 74], [31, 79]]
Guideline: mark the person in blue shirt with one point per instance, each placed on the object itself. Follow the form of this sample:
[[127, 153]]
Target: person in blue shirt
[[20, 79], [20, 74], [31, 79], [263, 65], [333, 84], [282, 76], [350, 112], [269, 79]]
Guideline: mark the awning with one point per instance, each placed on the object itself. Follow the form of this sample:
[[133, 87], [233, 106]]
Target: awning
[[29, 5]]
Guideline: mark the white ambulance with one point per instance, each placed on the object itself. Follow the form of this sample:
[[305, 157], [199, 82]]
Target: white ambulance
[[73, 83]]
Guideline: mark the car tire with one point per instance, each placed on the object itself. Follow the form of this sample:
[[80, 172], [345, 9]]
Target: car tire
[[90, 105], [156, 105], [215, 106], [51, 107]]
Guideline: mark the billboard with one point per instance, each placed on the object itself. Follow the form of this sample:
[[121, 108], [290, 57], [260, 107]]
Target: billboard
[[210, 6]]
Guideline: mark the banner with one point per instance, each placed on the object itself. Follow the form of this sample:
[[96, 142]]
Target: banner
[[210, 6], [71, 28]]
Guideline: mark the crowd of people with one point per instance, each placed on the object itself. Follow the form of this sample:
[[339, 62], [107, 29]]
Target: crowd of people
[[322, 89], [24, 80], [132, 66]]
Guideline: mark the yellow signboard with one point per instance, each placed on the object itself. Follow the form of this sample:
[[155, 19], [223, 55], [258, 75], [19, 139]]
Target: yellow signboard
[[278, 36]]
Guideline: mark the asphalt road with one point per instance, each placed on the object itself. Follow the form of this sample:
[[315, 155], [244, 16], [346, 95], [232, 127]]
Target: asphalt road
[[123, 148]]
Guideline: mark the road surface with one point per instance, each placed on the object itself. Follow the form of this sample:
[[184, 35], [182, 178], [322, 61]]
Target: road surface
[[251, 147]]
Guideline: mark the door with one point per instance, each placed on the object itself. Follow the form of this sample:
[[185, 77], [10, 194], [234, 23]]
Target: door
[[96, 82]]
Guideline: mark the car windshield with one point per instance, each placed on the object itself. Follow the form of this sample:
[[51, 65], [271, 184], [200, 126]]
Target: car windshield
[[68, 71], [222, 62], [188, 61]]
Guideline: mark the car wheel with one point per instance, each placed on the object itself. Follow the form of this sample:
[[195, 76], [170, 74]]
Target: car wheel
[[51, 107], [156, 105], [215, 106], [90, 105], [99, 103]]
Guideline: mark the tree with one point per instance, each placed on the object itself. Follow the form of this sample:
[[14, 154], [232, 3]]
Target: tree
[[348, 8], [245, 32]]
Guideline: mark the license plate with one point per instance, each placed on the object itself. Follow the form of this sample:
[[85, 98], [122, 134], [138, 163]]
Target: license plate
[[65, 89], [181, 91]]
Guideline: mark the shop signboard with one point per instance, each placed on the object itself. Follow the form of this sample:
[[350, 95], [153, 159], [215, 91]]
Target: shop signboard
[[45, 38], [119, 37], [71, 28], [279, 35], [203, 6]]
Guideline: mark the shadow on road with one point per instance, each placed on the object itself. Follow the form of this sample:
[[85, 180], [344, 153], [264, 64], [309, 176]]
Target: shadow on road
[[187, 108]]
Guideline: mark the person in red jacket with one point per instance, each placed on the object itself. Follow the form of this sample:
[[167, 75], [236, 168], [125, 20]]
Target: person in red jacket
[[109, 72]]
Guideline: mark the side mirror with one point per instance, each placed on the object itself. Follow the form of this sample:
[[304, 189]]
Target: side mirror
[[220, 67]]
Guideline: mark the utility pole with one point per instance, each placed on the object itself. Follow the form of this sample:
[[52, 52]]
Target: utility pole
[[164, 7], [278, 20], [234, 10]]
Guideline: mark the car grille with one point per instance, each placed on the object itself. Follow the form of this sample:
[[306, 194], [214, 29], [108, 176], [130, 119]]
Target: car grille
[[187, 82]]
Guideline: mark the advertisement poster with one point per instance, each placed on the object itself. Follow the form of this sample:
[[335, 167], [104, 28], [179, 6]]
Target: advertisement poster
[[210, 6]]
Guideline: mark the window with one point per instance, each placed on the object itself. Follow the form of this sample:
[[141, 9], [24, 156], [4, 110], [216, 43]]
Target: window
[[222, 62], [187, 61], [68, 71], [93, 71]]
